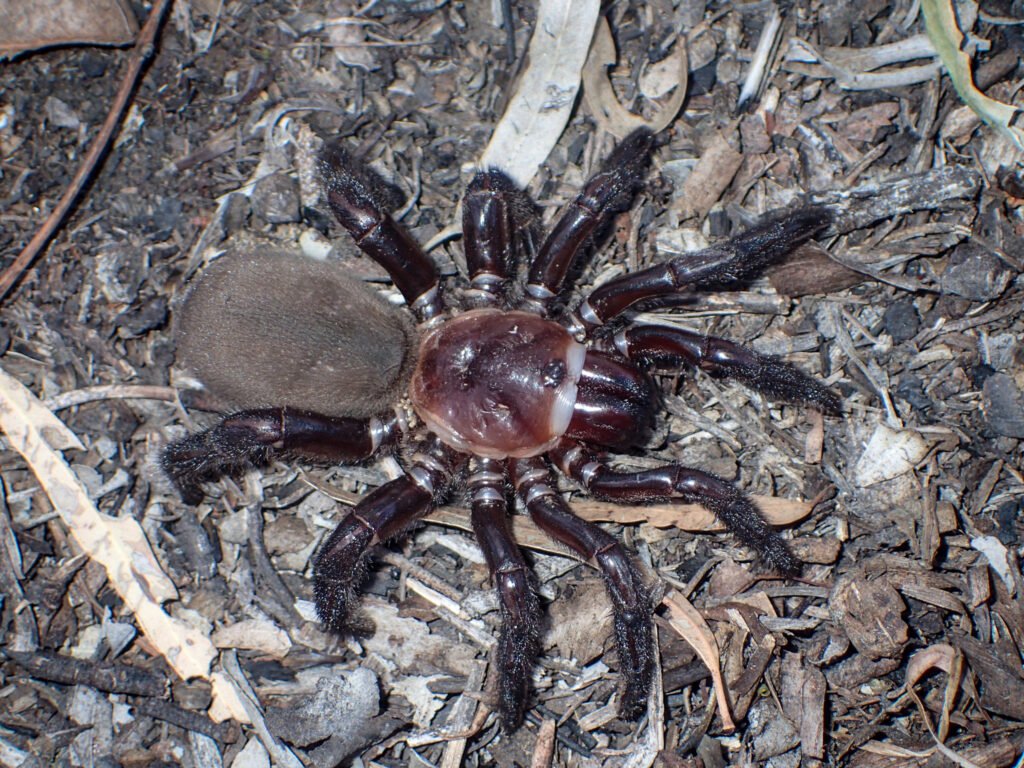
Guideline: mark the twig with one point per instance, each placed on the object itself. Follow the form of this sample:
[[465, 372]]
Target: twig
[[110, 392], [109, 677], [226, 732], [140, 55]]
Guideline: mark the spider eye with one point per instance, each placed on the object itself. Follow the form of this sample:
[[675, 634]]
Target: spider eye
[[553, 373]]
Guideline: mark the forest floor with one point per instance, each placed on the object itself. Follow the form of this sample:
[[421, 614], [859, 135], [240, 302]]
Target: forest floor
[[901, 642]]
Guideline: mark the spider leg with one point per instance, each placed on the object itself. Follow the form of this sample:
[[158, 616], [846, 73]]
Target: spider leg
[[605, 194], [339, 567], [663, 345], [355, 195], [674, 482], [727, 262], [254, 437], [616, 403], [496, 215], [631, 599], [518, 646]]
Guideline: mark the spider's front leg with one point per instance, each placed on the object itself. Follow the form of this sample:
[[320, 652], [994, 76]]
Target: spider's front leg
[[359, 200], [498, 221], [256, 436], [674, 482], [660, 346], [604, 195], [520, 614], [383, 514], [746, 254], [631, 599]]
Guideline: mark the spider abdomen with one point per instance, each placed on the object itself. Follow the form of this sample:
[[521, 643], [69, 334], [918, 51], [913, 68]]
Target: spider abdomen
[[496, 383], [272, 328]]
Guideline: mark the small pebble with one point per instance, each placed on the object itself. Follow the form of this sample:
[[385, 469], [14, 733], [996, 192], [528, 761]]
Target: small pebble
[[92, 65], [275, 199], [975, 274], [911, 389], [237, 213], [143, 318], [60, 114], [1004, 405], [901, 321]]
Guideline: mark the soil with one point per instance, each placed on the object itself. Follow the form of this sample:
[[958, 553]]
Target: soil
[[899, 645]]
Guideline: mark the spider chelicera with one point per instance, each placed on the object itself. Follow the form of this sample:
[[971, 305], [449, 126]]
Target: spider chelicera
[[489, 389]]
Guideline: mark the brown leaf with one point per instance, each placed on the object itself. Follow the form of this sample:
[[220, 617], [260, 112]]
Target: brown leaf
[[28, 26]]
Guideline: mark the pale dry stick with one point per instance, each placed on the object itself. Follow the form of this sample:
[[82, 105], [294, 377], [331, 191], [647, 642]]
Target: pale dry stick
[[280, 754], [767, 46], [421, 573], [462, 717], [544, 748], [110, 392], [140, 55], [928, 335]]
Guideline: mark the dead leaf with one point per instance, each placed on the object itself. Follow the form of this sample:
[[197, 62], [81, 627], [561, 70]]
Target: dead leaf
[[539, 109], [949, 660], [657, 81], [869, 611], [28, 26], [687, 621], [254, 635], [888, 454]]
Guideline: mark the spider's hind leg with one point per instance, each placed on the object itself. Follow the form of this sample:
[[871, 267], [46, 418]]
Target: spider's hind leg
[[667, 346], [381, 515], [520, 613], [631, 599], [255, 437], [674, 482]]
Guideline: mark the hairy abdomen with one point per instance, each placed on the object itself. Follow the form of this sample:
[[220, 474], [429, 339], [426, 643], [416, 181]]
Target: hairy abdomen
[[279, 329]]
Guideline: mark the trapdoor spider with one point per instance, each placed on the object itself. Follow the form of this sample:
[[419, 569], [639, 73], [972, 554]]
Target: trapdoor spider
[[489, 392]]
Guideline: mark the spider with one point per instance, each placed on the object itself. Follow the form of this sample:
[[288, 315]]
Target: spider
[[490, 390]]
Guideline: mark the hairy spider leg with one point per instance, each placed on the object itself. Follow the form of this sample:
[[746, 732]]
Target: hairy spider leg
[[664, 346], [520, 613], [496, 217], [606, 193], [616, 403], [728, 262], [674, 482], [255, 437], [388, 511], [488, 232], [354, 193], [631, 599]]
